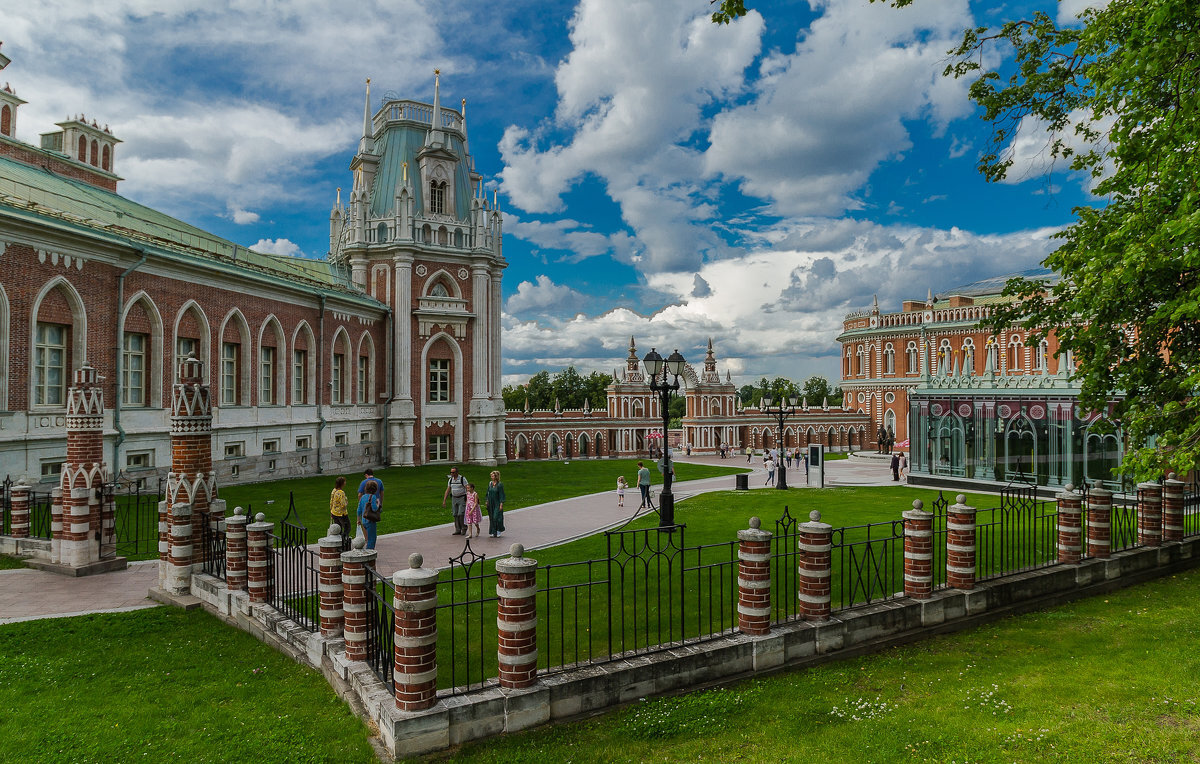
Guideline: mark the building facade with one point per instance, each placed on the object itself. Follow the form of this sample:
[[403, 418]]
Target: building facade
[[387, 351], [971, 405]]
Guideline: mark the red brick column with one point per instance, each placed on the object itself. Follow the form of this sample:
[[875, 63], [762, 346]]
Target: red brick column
[[330, 583], [19, 524], [1150, 514], [1070, 526], [84, 473], [56, 522], [960, 545], [816, 547], [258, 559], [354, 597], [516, 619], [235, 550], [179, 559], [1099, 525], [754, 580], [918, 552], [415, 668], [191, 480], [1172, 509]]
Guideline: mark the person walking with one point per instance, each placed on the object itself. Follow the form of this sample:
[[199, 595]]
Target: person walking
[[903, 465], [770, 465], [472, 517], [644, 486], [895, 467], [621, 486], [369, 514], [749, 454], [495, 505], [337, 510], [456, 490], [369, 477]]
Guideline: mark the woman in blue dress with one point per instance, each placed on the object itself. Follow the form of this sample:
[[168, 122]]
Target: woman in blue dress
[[368, 502]]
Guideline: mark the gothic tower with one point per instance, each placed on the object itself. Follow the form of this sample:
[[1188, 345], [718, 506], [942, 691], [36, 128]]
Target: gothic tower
[[420, 235]]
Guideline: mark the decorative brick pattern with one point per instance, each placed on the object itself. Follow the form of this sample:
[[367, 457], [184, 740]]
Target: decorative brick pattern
[[354, 597], [1099, 524], [754, 580], [235, 550], [258, 559], [191, 483], [918, 552], [960, 545], [1070, 528], [20, 511], [415, 668], [84, 474], [1150, 514], [1172, 509], [516, 619], [815, 549], [329, 583]]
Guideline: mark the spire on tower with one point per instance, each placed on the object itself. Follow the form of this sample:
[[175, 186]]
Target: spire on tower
[[366, 144], [435, 138]]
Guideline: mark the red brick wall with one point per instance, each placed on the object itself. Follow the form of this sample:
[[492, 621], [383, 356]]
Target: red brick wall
[[32, 156]]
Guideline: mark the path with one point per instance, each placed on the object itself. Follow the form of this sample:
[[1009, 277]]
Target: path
[[30, 594]]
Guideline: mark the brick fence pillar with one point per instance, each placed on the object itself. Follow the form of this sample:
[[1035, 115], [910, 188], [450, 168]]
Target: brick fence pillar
[[918, 552], [960, 545], [415, 668], [516, 619], [83, 473], [815, 548], [354, 598], [754, 580], [258, 559], [191, 480], [235, 550], [1172, 509], [179, 559], [56, 523], [1099, 525], [1070, 526], [19, 525], [330, 584], [1150, 514]]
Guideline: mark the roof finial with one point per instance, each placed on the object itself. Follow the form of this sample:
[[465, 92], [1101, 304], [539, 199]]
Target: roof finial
[[366, 145], [929, 299], [435, 129], [405, 166]]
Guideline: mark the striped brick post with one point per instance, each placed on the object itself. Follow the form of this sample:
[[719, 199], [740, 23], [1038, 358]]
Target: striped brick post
[[191, 481], [1150, 514], [83, 473], [235, 550], [181, 543], [56, 523], [918, 552], [354, 597], [1099, 526], [415, 669], [19, 524], [1070, 526], [816, 554], [754, 580], [1172, 509], [960, 545], [516, 619], [329, 583], [258, 559]]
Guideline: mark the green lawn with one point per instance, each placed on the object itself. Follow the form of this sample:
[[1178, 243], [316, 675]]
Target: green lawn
[[163, 684], [1109, 679], [10, 563], [413, 495]]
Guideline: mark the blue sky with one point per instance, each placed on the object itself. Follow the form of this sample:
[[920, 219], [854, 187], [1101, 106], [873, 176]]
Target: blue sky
[[661, 177]]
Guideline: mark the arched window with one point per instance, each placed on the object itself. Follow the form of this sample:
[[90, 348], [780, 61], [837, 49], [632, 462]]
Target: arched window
[[858, 361], [1039, 360], [82, 149], [911, 352], [437, 198], [365, 379], [968, 349], [1013, 358], [95, 153], [106, 158], [6, 120], [381, 233], [439, 290], [944, 356], [234, 378], [59, 342], [889, 359]]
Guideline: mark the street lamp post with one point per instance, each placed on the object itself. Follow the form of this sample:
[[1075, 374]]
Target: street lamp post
[[780, 411], [673, 365]]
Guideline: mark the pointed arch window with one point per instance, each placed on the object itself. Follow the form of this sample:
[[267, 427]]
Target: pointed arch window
[[439, 290], [50, 364], [106, 158], [437, 198], [889, 359], [911, 352]]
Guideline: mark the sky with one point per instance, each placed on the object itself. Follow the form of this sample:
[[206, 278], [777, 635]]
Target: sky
[[661, 177]]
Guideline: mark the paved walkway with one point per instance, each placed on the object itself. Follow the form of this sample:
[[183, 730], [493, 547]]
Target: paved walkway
[[31, 594]]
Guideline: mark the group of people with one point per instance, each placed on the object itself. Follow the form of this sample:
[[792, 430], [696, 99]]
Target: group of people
[[643, 476], [771, 457], [465, 506]]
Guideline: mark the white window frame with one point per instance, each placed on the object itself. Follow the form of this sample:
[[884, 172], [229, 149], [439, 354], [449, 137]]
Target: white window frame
[[266, 379], [133, 369], [439, 448], [230, 361], [299, 377], [50, 356], [439, 380]]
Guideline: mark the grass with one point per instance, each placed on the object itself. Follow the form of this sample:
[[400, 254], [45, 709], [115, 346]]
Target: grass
[[164, 684], [1100, 680], [413, 495], [10, 563]]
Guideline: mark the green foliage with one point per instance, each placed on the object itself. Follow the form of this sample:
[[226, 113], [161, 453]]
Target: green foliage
[[571, 388], [727, 10], [817, 390], [1119, 101], [10, 563]]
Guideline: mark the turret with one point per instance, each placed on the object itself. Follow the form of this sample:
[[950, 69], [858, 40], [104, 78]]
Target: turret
[[337, 218], [86, 143]]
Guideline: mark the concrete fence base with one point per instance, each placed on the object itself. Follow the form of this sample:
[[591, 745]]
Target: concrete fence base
[[561, 696]]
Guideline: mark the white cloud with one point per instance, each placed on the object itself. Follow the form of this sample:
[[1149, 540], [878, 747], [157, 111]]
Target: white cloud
[[243, 217], [544, 297], [277, 247], [1030, 149], [1069, 9], [572, 236]]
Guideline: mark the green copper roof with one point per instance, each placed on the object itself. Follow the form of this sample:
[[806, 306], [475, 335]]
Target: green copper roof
[[401, 143], [46, 194]]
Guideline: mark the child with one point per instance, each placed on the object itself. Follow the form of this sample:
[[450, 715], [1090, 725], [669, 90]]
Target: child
[[621, 486], [473, 516]]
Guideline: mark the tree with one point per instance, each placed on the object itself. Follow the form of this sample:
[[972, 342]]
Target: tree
[[570, 388], [817, 391], [727, 10], [1119, 101]]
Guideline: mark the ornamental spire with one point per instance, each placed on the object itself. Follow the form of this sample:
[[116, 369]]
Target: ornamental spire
[[434, 138], [366, 144]]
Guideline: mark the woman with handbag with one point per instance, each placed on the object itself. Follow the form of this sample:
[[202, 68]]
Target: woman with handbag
[[368, 513]]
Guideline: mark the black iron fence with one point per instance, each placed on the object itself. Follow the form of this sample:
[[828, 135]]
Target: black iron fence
[[40, 503], [212, 545], [381, 627], [785, 569], [6, 507], [135, 515], [295, 572], [466, 620], [867, 563]]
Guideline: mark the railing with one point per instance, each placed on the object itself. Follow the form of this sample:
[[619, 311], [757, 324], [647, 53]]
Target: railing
[[381, 627], [6, 507], [39, 514], [466, 619], [785, 569], [867, 563], [1191, 507], [212, 545], [135, 516], [295, 572], [1020, 534]]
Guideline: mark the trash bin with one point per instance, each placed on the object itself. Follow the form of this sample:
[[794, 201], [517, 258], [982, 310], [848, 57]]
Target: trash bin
[[742, 482]]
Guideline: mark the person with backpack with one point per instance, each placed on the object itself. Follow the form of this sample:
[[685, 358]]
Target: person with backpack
[[456, 490], [369, 513]]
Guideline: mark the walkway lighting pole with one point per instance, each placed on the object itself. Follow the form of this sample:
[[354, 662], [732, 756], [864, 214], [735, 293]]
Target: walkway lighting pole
[[673, 366], [781, 411]]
